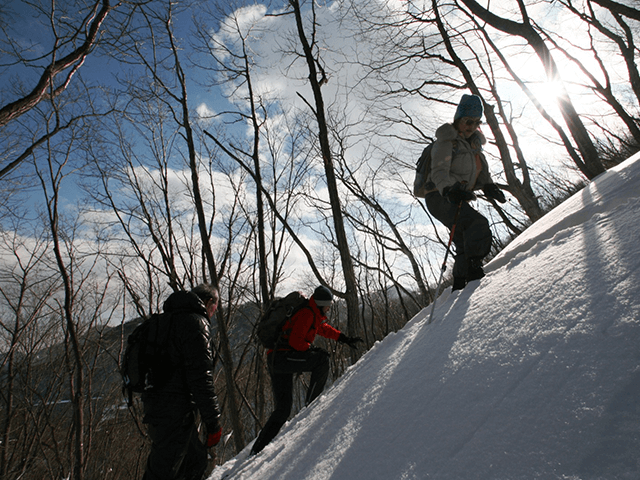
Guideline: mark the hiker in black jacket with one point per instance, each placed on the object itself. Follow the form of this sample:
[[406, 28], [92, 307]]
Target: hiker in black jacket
[[170, 411]]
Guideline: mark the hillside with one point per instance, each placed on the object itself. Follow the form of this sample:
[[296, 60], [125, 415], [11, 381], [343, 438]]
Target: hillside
[[532, 372]]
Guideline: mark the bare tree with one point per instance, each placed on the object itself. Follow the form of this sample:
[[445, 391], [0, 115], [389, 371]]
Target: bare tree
[[317, 77], [234, 66], [71, 44], [76, 312], [40, 414], [25, 290], [154, 47], [136, 184], [623, 38], [51, 181], [373, 208], [589, 163], [620, 8], [68, 53]]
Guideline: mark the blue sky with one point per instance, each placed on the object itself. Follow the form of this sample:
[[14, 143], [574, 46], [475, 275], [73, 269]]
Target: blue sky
[[281, 79]]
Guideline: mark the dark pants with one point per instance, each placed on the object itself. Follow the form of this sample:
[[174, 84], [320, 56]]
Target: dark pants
[[472, 237], [282, 366], [176, 450]]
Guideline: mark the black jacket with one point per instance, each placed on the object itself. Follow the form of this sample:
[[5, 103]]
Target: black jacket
[[191, 384]]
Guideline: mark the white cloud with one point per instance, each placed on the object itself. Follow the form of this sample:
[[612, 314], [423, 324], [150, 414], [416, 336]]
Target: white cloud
[[204, 112]]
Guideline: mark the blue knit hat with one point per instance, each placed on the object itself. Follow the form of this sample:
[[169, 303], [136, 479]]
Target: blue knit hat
[[469, 106], [323, 296]]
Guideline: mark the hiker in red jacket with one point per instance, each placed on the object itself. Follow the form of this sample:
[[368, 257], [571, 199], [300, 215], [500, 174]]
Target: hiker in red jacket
[[295, 353]]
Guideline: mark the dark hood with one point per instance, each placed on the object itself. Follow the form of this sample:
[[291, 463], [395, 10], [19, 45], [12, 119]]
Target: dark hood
[[185, 301]]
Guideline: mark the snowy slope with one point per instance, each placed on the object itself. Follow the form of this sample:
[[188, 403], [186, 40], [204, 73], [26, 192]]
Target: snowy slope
[[532, 372]]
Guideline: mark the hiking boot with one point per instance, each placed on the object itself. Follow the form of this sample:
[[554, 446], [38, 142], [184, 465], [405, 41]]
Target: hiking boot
[[474, 269], [458, 283]]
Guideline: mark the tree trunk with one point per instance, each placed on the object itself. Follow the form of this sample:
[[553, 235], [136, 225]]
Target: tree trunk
[[351, 291], [227, 358]]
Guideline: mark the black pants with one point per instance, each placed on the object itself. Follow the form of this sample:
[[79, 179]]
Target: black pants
[[176, 450], [472, 237], [282, 366]]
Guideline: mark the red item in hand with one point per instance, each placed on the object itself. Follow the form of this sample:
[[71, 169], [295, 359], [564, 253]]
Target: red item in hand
[[214, 438]]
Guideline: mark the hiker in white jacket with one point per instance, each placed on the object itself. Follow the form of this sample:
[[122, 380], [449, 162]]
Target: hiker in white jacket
[[458, 167]]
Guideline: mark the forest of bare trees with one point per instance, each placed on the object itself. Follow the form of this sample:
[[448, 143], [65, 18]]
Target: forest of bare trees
[[148, 146]]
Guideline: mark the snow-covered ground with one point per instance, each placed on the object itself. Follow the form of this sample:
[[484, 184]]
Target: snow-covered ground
[[532, 372]]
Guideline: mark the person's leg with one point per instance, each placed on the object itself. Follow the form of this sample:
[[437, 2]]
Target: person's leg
[[317, 361], [473, 243], [314, 360], [472, 236], [460, 261], [282, 386], [477, 237], [442, 209], [445, 212], [285, 364], [196, 459], [477, 243], [170, 441]]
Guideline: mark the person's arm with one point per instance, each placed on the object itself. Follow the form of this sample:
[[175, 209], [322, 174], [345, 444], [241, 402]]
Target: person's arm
[[198, 368], [327, 331], [441, 157], [351, 341]]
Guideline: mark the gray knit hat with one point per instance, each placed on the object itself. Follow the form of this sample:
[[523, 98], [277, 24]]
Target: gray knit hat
[[469, 106], [323, 296]]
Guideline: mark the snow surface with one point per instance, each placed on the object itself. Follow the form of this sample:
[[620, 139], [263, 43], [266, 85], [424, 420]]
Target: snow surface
[[531, 373]]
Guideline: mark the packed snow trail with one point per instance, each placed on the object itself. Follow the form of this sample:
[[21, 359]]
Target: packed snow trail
[[531, 372]]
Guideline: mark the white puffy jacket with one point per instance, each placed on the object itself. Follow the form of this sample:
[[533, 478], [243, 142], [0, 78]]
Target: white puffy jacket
[[454, 159]]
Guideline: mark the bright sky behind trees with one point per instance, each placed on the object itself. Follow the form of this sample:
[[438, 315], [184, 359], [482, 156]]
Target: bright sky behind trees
[[383, 134]]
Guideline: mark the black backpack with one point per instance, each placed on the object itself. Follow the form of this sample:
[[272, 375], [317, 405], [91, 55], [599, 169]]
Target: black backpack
[[146, 362], [269, 326], [423, 169]]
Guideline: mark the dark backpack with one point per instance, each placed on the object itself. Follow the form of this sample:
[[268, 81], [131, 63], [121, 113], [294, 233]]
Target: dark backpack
[[269, 326], [146, 362], [423, 169]]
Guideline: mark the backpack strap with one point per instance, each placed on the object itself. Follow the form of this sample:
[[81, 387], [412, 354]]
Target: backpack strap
[[288, 330]]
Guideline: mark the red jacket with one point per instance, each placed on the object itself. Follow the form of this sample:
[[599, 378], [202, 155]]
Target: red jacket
[[305, 324]]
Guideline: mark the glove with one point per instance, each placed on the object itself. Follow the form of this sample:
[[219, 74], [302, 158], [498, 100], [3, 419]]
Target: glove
[[456, 194], [351, 341], [491, 190], [214, 438]]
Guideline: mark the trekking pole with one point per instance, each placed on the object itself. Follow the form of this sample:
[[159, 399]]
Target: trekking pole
[[444, 263]]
